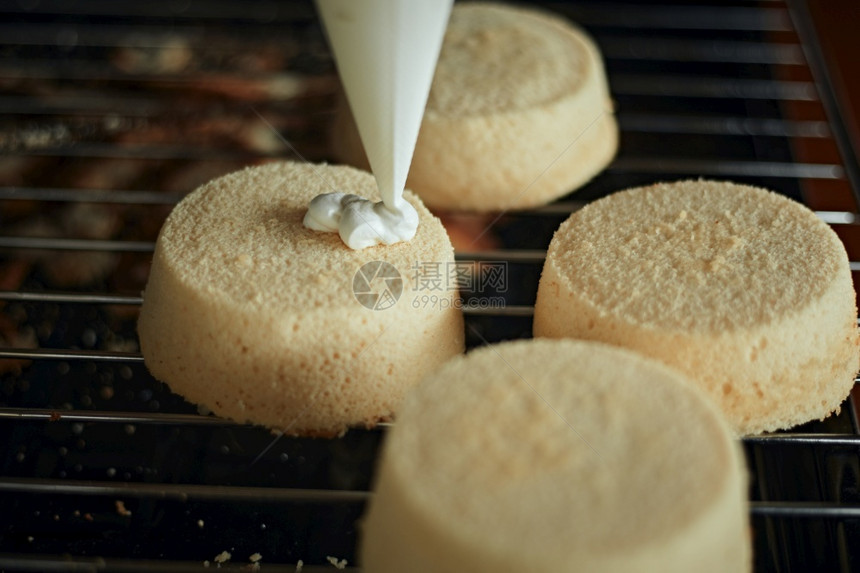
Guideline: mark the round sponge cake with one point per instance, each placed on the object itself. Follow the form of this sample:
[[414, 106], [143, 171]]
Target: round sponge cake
[[557, 455], [518, 113], [743, 290], [263, 320]]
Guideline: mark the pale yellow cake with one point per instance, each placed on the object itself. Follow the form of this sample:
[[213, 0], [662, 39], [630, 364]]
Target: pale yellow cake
[[263, 320], [557, 455], [518, 114], [745, 291]]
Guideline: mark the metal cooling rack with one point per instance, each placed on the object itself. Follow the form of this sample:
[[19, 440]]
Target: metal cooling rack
[[112, 111]]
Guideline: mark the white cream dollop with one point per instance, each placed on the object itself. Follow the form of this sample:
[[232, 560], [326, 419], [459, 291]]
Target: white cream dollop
[[360, 222]]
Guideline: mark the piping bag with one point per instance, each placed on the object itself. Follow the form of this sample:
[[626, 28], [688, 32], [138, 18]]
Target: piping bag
[[386, 52]]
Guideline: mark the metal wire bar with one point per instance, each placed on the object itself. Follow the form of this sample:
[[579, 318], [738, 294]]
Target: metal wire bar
[[114, 151], [795, 438], [474, 309], [77, 298], [812, 509], [68, 354], [256, 12], [63, 244], [184, 492], [721, 125], [727, 167], [678, 17], [77, 564], [157, 418], [91, 195], [700, 50], [92, 416], [513, 255], [181, 492], [712, 87]]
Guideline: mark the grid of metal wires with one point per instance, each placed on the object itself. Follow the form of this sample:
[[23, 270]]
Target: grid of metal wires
[[111, 111]]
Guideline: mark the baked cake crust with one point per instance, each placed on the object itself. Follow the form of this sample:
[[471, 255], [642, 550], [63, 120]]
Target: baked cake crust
[[253, 315], [557, 455], [742, 289]]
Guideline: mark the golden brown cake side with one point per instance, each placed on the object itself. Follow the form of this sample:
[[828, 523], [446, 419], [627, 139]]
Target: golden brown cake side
[[253, 315], [745, 291], [559, 455]]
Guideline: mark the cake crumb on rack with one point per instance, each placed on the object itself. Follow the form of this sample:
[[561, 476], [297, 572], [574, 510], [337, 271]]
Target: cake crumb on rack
[[121, 509], [223, 557], [299, 566], [338, 564]]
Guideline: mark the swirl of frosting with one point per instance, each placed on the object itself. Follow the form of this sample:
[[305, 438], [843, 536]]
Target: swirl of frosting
[[360, 222]]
